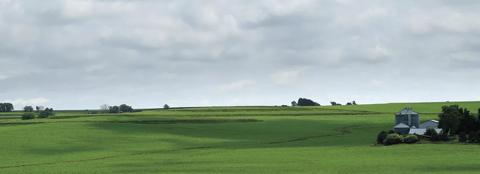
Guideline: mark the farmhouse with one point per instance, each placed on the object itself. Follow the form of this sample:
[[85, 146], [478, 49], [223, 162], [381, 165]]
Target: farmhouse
[[407, 121]]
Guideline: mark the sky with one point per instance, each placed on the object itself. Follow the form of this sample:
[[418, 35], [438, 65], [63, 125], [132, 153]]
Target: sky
[[80, 54]]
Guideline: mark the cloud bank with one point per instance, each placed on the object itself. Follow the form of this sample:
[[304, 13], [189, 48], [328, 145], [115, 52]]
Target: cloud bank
[[82, 53]]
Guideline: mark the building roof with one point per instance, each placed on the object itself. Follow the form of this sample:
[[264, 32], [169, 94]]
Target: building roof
[[407, 111], [421, 131], [401, 125]]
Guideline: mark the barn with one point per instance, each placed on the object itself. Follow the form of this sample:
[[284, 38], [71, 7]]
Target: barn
[[407, 121], [429, 124]]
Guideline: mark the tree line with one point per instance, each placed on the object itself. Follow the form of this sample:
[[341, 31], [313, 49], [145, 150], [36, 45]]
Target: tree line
[[41, 112], [309, 102], [117, 109], [457, 121]]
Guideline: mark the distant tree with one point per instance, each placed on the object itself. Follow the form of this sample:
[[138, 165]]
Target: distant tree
[[46, 113], [349, 103], [335, 103], [114, 109], [125, 108], [166, 106], [294, 103], [306, 102], [6, 107], [9, 107], [354, 103], [467, 122], [104, 108], [28, 109], [39, 108], [450, 119]]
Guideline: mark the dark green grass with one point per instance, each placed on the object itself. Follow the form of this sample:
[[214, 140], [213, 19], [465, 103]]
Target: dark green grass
[[226, 140]]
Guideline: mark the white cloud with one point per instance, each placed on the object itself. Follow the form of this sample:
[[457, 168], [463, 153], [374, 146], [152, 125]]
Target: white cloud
[[237, 85], [97, 49], [378, 53], [288, 77], [20, 103]]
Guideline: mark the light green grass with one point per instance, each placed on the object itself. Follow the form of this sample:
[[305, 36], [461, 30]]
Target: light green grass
[[227, 140]]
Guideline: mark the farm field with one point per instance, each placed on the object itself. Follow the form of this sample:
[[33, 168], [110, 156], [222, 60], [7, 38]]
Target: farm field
[[257, 139]]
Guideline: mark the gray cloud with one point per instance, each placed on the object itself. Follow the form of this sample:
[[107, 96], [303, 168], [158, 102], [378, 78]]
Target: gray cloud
[[83, 53]]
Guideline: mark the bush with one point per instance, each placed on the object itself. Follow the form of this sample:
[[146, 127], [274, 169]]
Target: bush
[[381, 136], [462, 137], [392, 139], [410, 139], [431, 132], [28, 116], [46, 113]]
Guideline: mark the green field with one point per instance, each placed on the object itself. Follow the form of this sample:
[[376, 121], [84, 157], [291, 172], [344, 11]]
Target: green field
[[324, 139]]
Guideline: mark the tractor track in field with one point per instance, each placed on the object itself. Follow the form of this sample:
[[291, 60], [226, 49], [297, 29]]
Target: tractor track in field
[[340, 131], [103, 158]]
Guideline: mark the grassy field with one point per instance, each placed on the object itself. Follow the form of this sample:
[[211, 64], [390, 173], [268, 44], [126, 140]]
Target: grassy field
[[325, 139]]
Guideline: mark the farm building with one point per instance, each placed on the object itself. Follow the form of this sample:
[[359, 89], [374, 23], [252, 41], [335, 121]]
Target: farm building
[[407, 121], [407, 116], [401, 128], [429, 124], [421, 131]]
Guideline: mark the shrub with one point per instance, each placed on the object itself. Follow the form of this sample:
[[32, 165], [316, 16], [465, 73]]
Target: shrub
[[392, 139], [462, 137], [381, 136], [46, 113], [431, 132], [410, 139], [28, 116]]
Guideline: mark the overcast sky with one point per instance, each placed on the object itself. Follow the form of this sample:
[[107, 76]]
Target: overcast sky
[[76, 54]]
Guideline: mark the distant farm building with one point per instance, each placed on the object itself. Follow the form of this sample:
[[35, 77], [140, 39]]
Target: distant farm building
[[407, 121], [429, 124], [407, 116]]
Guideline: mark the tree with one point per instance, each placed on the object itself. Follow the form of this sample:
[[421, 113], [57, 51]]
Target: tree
[[354, 103], [166, 106], [39, 108], [335, 103], [114, 109], [306, 102], [449, 119], [467, 124], [104, 107], [6, 107], [294, 103], [28, 109], [46, 113], [125, 108], [381, 137]]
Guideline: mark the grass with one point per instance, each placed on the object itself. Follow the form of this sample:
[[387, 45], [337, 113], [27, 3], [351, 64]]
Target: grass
[[327, 139]]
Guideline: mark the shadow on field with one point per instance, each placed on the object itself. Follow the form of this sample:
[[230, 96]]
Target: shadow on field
[[19, 123], [451, 168], [238, 134]]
